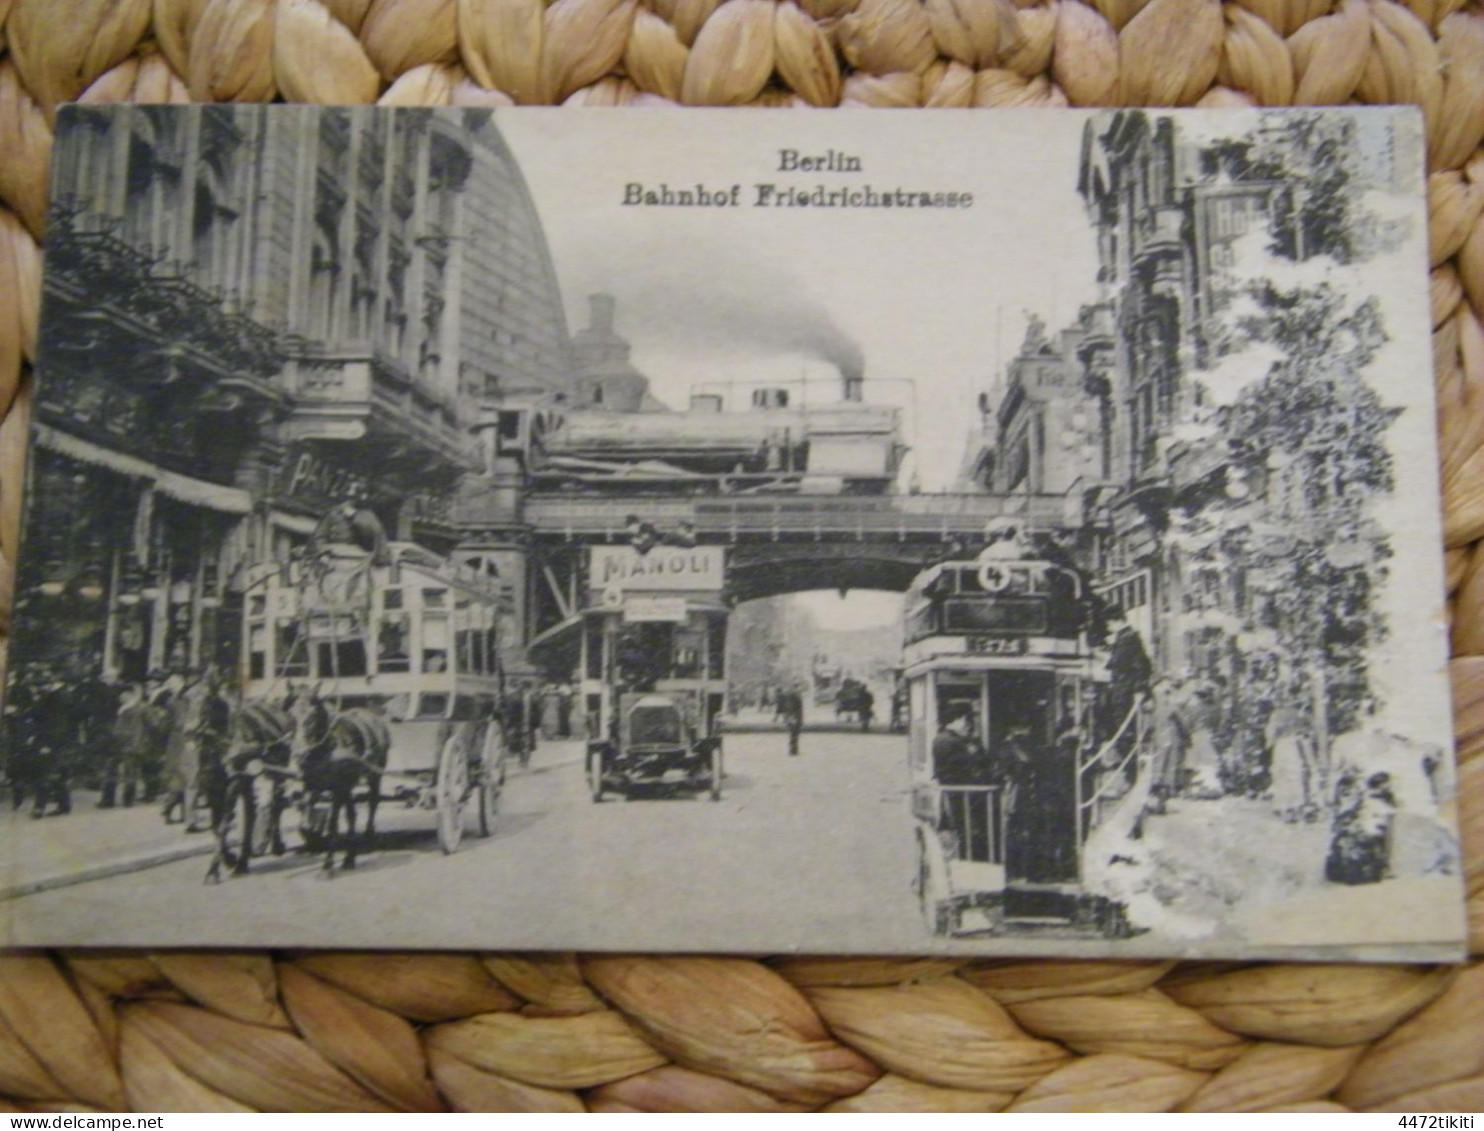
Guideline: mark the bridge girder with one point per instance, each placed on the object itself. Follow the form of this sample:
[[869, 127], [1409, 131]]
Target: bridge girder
[[771, 570]]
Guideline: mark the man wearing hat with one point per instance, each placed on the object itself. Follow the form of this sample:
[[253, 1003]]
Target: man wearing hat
[[958, 757], [790, 708]]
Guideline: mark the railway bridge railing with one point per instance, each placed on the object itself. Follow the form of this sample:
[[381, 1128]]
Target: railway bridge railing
[[820, 517]]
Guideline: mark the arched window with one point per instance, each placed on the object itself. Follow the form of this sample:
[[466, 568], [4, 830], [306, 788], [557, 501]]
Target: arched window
[[324, 276]]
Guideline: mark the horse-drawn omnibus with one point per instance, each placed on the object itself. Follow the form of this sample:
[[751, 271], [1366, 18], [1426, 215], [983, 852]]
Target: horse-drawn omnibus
[[383, 666], [1009, 773]]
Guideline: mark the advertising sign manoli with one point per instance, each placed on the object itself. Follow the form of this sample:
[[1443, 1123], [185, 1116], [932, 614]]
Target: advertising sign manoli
[[664, 569]]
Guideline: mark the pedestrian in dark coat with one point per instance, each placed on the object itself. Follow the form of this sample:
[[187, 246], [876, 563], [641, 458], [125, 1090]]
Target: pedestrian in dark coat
[[790, 708], [133, 734], [1360, 838], [1041, 808], [22, 764], [54, 737]]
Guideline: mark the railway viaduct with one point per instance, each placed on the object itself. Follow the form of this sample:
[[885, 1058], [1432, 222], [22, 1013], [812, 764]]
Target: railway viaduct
[[775, 544]]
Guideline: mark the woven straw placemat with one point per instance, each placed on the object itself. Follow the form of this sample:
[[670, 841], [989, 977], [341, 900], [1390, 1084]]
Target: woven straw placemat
[[218, 1031]]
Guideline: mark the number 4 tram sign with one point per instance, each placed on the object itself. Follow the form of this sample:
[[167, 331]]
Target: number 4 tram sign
[[994, 577]]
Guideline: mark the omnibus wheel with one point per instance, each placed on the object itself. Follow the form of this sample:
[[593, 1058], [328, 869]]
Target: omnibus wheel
[[452, 790], [492, 779]]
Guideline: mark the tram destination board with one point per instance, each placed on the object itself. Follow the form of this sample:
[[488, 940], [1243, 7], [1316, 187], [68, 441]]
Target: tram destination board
[[755, 532]]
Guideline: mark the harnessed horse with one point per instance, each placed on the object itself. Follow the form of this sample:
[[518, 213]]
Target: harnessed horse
[[335, 754], [245, 789], [331, 753]]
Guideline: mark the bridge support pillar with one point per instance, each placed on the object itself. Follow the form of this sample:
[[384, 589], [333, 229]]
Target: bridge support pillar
[[509, 559]]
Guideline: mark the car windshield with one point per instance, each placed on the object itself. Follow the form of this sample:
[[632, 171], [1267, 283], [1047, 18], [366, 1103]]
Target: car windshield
[[654, 726]]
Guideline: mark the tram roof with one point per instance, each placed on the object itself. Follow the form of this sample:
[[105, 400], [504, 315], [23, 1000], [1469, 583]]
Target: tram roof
[[932, 573], [401, 555]]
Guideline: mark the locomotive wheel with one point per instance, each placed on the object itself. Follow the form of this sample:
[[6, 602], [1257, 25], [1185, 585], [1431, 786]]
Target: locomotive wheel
[[492, 782], [452, 790]]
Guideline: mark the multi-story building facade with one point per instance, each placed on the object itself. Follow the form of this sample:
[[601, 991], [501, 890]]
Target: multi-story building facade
[[1051, 433], [1233, 481], [251, 315]]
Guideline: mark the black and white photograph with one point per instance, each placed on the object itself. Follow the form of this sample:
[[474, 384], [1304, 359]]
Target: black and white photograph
[[743, 532]]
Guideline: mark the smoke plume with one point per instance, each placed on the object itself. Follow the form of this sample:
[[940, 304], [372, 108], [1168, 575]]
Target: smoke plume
[[714, 301]]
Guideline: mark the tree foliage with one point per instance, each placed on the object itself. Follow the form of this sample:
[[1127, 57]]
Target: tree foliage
[[1314, 404], [1315, 416], [1317, 211]]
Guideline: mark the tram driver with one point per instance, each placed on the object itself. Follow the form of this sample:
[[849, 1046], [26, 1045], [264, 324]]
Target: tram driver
[[959, 758], [968, 775]]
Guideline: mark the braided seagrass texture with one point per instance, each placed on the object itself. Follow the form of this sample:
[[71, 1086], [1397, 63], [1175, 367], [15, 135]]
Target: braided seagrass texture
[[222, 1031]]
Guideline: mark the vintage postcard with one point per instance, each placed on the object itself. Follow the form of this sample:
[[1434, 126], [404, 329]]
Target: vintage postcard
[[963, 533]]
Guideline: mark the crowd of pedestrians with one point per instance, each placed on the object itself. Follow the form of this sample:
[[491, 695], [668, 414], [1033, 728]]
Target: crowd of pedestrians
[[137, 742]]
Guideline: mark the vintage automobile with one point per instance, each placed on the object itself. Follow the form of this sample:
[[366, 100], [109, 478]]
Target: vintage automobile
[[658, 746]]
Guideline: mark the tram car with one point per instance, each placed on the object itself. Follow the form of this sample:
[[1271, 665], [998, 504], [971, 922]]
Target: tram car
[[1008, 778], [398, 651]]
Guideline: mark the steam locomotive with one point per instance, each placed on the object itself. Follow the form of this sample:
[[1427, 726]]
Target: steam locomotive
[[847, 448]]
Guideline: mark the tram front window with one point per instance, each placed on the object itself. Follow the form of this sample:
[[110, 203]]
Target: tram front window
[[644, 653], [654, 726], [975, 614], [689, 646]]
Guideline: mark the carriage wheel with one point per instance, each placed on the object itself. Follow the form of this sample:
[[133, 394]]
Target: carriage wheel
[[234, 833], [716, 773], [452, 789], [492, 778]]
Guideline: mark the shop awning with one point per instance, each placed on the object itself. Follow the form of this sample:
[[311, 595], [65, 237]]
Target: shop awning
[[182, 488], [558, 635], [293, 523]]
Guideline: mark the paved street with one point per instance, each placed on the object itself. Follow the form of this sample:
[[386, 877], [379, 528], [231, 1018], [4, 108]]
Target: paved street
[[816, 849]]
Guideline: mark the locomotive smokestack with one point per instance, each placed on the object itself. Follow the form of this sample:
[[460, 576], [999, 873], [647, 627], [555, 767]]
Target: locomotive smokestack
[[852, 382]]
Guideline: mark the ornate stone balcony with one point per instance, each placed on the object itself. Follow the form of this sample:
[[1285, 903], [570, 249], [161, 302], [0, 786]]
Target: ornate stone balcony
[[352, 390], [127, 302], [1158, 232]]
